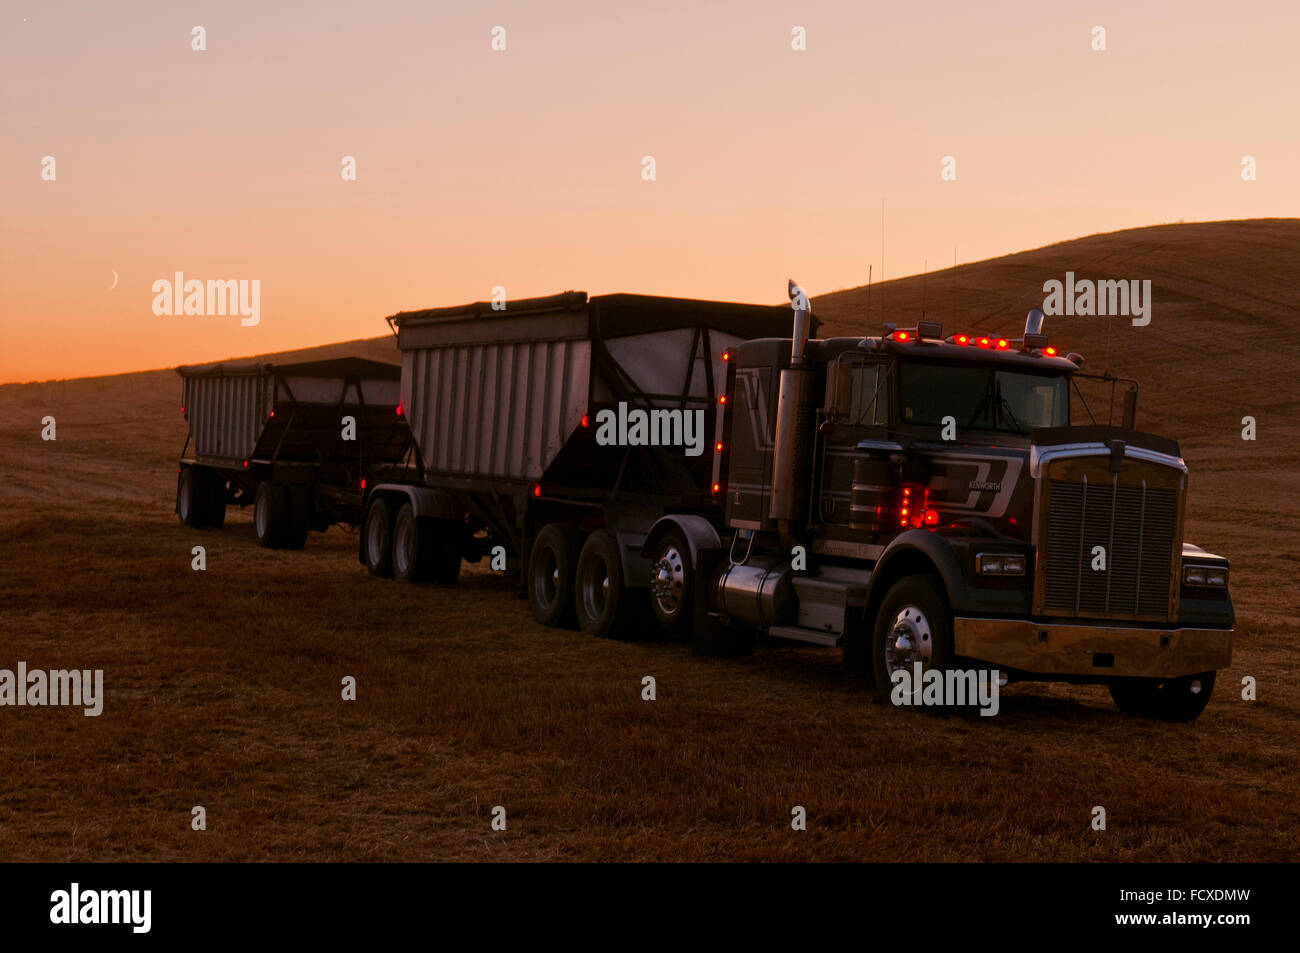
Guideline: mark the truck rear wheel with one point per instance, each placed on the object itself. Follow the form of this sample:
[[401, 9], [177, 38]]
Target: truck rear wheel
[[912, 627], [1171, 699], [271, 514], [672, 584], [551, 566], [377, 533], [601, 596]]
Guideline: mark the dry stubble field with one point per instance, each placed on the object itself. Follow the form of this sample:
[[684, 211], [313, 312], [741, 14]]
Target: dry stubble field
[[223, 687]]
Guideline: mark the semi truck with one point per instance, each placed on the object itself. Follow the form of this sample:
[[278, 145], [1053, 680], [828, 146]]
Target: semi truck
[[296, 441], [924, 502]]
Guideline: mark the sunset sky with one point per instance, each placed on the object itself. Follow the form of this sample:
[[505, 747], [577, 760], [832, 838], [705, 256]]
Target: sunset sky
[[523, 168]]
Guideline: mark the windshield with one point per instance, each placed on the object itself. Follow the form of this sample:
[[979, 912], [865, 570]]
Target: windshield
[[982, 398]]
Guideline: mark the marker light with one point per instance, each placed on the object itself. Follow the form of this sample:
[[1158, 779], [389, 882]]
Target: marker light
[[983, 342], [722, 398], [584, 420], [716, 487], [1003, 344], [182, 410], [537, 489], [399, 408], [245, 464], [961, 339], [1050, 351], [273, 413], [718, 447], [363, 483], [902, 336], [726, 355]]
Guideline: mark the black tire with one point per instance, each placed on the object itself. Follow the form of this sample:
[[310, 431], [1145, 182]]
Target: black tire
[[1170, 699], [601, 597], [189, 498], [551, 567], [424, 549], [214, 493], [297, 516], [914, 609], [672, 585], [376, 538], [271, 514]]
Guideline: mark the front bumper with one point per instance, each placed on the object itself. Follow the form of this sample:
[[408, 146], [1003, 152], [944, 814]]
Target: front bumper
[[1094, 651]]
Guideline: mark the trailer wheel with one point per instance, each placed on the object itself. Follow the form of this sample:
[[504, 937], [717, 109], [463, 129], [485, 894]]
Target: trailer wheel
[[912, 626], [1170, 699], [213, 498], [297, 516], [601, 595], [551, 567], [672, 584], [417, 550], [188, 499], [271, 514], [377, 533]]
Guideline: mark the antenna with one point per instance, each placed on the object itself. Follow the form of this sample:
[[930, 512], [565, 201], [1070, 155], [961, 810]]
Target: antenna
[[867, 309], [882, 258]]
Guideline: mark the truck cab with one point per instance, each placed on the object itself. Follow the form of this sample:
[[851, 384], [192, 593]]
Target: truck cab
[[922, 499]]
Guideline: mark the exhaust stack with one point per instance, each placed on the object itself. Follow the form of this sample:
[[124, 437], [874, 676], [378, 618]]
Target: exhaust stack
[[799, 302], [790, 454]]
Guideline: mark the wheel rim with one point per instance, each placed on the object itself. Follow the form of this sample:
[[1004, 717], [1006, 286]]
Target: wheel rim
[[374, 539], [909, 641], [260, 516], [404, 546], [595, 587], [546, 578], [668, 582]]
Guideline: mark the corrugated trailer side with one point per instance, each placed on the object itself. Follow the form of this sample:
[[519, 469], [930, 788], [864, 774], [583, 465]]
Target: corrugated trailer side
[[504, 407]]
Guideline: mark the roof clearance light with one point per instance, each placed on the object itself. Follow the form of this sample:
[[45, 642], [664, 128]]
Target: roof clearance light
[[983, 342], [961, 339], [1050, 351], [1003, 344], [902, 336]]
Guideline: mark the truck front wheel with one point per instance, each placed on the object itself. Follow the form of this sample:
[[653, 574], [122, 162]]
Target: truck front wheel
[[1170, 699], [912, 628]]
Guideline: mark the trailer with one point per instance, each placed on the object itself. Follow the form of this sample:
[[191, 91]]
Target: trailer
[[525, 421], [296, 441]]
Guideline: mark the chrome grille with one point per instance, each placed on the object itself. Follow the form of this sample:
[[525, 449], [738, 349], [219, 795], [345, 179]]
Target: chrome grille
[[1137, 527]]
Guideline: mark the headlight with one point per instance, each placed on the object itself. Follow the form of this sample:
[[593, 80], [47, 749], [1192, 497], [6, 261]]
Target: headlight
[[999, 564], [1212, 577]]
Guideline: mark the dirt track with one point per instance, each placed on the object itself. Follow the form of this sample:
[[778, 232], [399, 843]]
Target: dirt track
[[223, 686]]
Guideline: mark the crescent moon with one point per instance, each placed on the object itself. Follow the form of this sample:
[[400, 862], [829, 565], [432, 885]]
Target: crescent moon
[[114, 284]]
